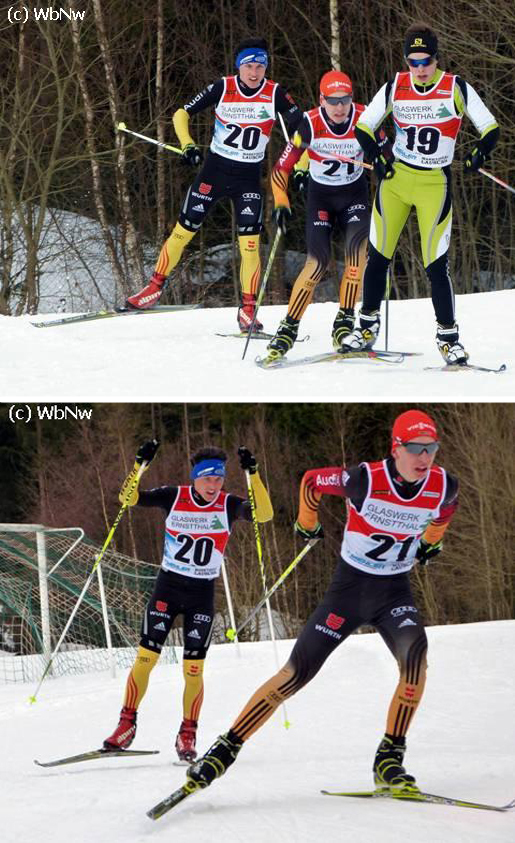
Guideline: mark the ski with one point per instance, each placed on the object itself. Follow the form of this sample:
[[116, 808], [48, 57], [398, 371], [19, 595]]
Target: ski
[[470, 367], [257, 335], [109, 314], [332, 357], [174, 799], [422, 796], [96, 753]]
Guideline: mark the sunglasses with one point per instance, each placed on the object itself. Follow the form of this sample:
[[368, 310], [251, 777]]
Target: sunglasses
[[338, 100], [421, 62], [419, 447]]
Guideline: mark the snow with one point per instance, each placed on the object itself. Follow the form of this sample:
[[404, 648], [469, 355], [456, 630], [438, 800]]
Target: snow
[[461, 744], [177, 356]]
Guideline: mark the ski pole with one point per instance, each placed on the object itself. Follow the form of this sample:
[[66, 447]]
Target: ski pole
[[496, 179], [263, 580], [123, 128], [110, 535], [232, 633], [261, 293], [387, 302]]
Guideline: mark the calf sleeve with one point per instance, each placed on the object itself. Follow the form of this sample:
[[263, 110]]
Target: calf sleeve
[[304, 287], [172, 249], [250, 267], [407, 696], [193, 697], [137, 683]]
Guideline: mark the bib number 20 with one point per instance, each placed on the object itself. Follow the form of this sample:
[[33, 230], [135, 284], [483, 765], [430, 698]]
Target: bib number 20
[[249, 139], [197, 551]]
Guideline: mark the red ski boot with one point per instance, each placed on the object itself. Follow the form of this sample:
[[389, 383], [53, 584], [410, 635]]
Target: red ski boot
[[149, 296], [125, 732], [185, 742], [246, 314]]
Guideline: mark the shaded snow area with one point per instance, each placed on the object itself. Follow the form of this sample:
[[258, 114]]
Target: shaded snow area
[[177, 356], [461, 744]]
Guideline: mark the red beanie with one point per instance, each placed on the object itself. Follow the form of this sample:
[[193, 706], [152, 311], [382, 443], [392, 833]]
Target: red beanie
[[411, 424]]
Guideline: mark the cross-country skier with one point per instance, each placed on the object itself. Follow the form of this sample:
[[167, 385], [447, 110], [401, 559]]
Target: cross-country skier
[[427, 105], [199, 520], [337, 194], [246, 108], [398, 511]]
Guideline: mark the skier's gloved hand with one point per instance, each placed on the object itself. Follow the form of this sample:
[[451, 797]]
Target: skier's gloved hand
[[383, 167], [146, 452], [247, 460], [307, 535], [192, 155], [300, 180], [474, 160], [426, 552], [280, 216]]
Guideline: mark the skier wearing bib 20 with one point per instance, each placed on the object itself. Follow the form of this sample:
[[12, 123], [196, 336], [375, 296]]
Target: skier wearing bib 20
[[246, 108], [398, 511], [427, 105], [199, 520], [337, 194]]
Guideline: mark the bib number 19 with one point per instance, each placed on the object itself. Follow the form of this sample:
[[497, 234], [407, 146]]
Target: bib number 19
[[426, 140]]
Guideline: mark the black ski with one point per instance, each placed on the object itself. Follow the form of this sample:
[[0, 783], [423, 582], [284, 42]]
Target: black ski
[[109, 314], [332, 357], [96, 753], [421, 796], [174, 799], [467, 367]]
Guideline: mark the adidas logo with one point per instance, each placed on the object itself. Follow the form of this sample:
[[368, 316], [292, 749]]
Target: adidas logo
[[407, 622], [161, 626], [193, 634], [245, 211], [198, 207], [354, 219]]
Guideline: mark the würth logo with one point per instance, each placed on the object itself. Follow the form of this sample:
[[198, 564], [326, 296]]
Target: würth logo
[[334, 621]]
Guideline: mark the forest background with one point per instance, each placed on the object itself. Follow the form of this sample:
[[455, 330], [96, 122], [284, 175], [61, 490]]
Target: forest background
[[68, 473], [66, 84]]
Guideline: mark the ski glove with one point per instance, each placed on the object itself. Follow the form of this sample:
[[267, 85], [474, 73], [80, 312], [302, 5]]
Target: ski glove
[[301, 180], [281, 216], [247, 460], [146, 452], [192, 155], [383, 167], [474, 160], [307, 535], [426, 552]]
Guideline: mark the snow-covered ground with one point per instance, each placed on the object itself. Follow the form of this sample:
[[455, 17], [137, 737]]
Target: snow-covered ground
[[178, 357], [461, 744]]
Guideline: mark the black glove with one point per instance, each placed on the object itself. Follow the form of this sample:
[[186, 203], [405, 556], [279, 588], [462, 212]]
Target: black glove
[[247, 460], [307, 535], [426, 552], [300, 180], [280, 216], [383, 167], [192, 155], [147, 452], [474, 160]]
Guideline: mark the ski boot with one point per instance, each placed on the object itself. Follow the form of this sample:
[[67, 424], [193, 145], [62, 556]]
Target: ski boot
[[125, 732], [284, 339], [343, 325], [214, 763], [149, 296], [389, 774], [447, 340], [246, 314], [364, 337], [185, 741]]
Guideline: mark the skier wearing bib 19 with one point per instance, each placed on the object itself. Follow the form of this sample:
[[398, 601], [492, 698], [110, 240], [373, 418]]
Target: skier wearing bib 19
[[398, 511], [246, 108], [337, 194], [199, 520], [427, 105]]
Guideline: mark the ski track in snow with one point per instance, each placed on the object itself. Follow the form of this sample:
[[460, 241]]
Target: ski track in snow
[[460, 744], [178, 357]]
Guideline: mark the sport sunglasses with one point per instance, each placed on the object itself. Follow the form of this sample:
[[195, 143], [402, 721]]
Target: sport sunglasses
[[337, 100], [419, 447], [421, 62]]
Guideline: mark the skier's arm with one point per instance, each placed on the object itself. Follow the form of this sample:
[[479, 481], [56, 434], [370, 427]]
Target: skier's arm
[[328, 481], [163, 497], [263, 504], [467, 101], [374, 114], [181, 118], [129, 492], [287, 108], [291, 155], [434, 532]]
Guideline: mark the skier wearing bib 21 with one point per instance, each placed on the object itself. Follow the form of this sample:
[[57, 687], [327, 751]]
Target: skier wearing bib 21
[[427, 105], [246, 108], [199, 520], [398, 511]]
